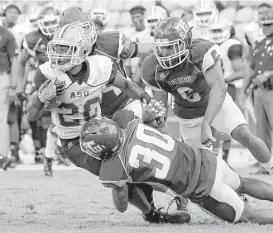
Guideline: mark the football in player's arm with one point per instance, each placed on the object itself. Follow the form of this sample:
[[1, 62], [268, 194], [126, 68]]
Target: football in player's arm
[[49, 89]]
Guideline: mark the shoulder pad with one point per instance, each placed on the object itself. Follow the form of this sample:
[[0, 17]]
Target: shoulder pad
[[108, 44], [205, 54], [31, 40]]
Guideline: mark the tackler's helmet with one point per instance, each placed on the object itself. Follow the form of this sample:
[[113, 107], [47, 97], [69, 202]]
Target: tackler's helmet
[[172, 41], [71, 45], [101, 138]]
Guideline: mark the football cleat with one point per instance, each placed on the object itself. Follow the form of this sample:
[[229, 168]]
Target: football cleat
[[158, 216]]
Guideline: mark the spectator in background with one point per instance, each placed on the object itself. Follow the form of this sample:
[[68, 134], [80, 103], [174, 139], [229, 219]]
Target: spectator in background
[[261, 78], [138, 33], [11, 14], [253, 35], [8, 59]]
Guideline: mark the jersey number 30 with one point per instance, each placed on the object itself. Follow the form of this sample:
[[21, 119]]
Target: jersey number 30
[[152, 157]]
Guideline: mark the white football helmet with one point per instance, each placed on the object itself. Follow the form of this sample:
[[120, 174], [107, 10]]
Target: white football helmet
[[48, 20], [71, 45], [154, 15], [205, 13], [219, 32], [100, 16]]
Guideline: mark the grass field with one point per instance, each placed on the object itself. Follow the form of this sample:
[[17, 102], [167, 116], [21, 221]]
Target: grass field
[[75, 201]]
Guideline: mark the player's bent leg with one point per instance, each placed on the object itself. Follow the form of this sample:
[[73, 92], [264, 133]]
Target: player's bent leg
[[256, 146], [223, 203], [257, 188], [50, 150], [261, 216], [225, 122]]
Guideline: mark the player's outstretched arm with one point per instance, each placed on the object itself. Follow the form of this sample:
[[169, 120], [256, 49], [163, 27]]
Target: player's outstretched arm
[[120, 197], [130, 88], [35, 107]]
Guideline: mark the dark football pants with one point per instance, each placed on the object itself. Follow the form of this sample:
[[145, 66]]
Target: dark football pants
[[72, 149]]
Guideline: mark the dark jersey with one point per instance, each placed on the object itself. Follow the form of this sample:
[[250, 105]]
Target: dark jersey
[[185, 82], [116, 46], [149, 156], [35, 43]]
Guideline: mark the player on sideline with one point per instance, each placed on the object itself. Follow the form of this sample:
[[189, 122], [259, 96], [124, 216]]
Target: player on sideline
[[71, 84], [190, 70], [142, 154]]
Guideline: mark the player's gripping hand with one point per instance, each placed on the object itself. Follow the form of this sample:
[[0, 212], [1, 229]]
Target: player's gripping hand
[[154, 110], [206, 136], [50, 89]]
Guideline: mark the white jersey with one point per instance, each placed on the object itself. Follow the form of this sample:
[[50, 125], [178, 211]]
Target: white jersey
[[203, 33], [226, 62], [79, 103], [254, 33]]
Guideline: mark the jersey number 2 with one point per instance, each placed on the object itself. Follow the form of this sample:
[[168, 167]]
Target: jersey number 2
[[83, 113], [152, 157]]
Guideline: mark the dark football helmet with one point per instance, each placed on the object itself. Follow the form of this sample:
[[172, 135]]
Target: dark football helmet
[[172, 40], [101, 138]]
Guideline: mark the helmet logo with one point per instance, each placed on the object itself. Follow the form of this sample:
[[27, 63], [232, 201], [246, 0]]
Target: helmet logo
[[96, 148], [80, 37]]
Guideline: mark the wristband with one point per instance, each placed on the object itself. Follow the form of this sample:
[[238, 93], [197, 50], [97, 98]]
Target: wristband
[[12, 87]]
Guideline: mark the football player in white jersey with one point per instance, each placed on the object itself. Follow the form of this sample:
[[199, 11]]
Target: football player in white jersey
[[205, 14], [233, 66]]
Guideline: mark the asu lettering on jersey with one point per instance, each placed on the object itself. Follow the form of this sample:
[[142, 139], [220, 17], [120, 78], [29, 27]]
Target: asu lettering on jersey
[[35, 43], [80, 102], [185, 82], [118, 47], [149, 156]]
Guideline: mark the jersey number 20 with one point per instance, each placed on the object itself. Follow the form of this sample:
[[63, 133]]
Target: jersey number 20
[[149, 156]]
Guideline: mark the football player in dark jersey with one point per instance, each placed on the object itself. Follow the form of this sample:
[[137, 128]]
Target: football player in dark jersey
[[134, 152], [190, 70]]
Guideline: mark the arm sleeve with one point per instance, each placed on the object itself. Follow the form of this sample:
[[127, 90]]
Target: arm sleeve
[[127, 48]]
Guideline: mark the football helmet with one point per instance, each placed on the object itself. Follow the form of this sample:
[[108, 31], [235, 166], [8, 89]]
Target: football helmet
[[70, 46], [100, 16], [219, 32], [154, 15], [101, 138], [172, 40], [48, 20], [205, 13]]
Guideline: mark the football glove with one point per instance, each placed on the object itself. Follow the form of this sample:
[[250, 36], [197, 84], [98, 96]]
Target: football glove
[[50, 89]]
